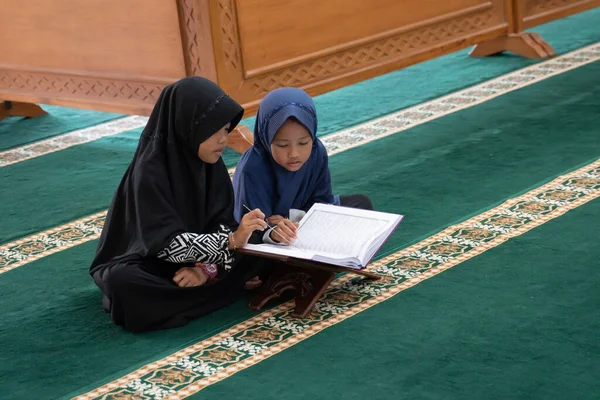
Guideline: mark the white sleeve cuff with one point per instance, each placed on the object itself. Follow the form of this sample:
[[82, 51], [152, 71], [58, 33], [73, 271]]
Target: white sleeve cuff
[[267, 238]]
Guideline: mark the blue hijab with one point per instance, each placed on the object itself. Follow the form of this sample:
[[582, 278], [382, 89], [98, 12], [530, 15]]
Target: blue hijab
[[259, 182]]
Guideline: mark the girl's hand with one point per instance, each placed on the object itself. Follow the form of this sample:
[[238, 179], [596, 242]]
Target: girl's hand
[[252, 221], [275, 219], [284, 232], [190, 277]]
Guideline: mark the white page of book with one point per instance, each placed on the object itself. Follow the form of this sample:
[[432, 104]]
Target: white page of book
[[280, 250], [337, 233]]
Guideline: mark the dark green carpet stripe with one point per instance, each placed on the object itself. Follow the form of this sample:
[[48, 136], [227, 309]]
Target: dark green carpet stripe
[[398, 267], [435, 174], [451, 168], [517, 322], [21, 131], [463, 162]]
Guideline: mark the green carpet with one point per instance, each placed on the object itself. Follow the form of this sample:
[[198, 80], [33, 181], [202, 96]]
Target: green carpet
[[520, 321], [16, 131], [436, 174], [52, 318], [86, 174], [451, 168], [517, 321], [492, 151]]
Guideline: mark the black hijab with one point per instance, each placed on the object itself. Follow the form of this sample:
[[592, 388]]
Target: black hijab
[[167, 189]]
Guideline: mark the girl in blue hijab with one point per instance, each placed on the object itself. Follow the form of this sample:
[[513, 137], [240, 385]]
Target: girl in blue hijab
[[287, 167]]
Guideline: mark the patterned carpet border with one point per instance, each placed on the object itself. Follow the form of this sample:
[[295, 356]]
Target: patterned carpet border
[[360, 134], [43, 244], [70, 139], [190, 370]]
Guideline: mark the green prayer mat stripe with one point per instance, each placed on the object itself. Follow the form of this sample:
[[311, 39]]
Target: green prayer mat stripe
[[457, 101], [20, 131], [17, 253], [359, 134], [190, 370], [70, 139]]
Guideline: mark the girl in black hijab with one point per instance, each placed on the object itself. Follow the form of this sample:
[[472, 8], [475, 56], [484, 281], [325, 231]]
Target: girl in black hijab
[[165, 255]]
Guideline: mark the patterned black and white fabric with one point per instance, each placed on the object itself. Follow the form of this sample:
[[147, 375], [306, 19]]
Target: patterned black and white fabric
[[208, 248]]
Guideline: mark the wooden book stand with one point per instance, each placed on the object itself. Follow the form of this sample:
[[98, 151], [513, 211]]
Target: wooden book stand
[[307, 280]]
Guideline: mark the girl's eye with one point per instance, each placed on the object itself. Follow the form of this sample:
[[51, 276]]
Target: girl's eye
[[304, 143], [281, 146]]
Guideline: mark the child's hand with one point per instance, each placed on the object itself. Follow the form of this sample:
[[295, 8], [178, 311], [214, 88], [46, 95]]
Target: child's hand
[[275, 219], [190, 277], [284, 232], [252, 221]]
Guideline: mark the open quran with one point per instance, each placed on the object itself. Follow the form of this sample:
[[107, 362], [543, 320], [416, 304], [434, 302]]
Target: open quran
[[341, 236]]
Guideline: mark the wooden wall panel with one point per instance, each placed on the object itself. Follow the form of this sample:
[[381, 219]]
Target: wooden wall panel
[[537, 12], [80, 91], [196, 35], [115, 55], [109, 55], [129, 38], [456, 25], [294, 29]]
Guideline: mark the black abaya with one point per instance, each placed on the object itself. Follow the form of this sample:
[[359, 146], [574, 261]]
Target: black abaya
[[167, 190]]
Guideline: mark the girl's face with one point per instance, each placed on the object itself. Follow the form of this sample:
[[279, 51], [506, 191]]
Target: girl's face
[[292, 145], [212, 148]]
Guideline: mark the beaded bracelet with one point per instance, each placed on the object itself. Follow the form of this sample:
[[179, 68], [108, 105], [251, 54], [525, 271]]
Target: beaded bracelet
[[210, 270]]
